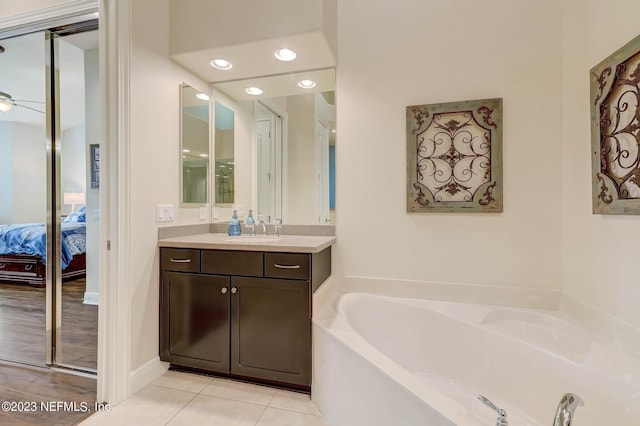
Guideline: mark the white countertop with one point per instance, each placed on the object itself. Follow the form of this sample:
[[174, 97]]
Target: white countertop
[[286, 243]]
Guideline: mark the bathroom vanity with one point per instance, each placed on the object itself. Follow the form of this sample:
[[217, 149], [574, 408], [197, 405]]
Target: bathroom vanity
[[242, 307]]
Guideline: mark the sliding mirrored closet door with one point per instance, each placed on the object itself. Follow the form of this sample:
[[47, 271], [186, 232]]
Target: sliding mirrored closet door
[[78, 132], [23, 198], [49, 144]]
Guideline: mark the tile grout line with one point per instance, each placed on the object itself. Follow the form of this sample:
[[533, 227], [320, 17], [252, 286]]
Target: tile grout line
[[267, 405], [261, 414], [298, 412], [182, 408]]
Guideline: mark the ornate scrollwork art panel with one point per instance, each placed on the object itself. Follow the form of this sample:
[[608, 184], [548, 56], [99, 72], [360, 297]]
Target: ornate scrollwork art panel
[[454, 157], [615, 132]]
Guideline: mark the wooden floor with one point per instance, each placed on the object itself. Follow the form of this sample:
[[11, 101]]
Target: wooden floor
[[22, 325], [31, 387]]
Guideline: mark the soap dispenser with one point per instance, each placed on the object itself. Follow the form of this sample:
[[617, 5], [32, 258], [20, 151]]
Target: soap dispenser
[[251, 223], [234, 225]]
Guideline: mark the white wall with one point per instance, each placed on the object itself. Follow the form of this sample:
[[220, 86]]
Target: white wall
[[208, 25], [72, 162], [410, 52], [599, 251], [155, 166], [6, 173], [302, 183], [24, 177], [29, 174]]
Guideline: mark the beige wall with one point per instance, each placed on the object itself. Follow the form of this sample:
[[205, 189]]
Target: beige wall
[[206, 24], [599, 251], [155, 173], [415, 52]]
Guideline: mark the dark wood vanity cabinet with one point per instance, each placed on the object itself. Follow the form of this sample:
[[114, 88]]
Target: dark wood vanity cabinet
[[242, 313], [194, 319]]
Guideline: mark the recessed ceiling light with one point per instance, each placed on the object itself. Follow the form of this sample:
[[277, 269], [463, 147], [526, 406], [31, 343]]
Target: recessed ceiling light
[[255, 91], [202, 97], [333, 131], [307, 84], [285, 55], [186, 150], [221, 64], [204, 155]]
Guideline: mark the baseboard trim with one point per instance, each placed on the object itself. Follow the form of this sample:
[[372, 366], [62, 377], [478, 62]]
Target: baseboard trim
[[91, 298], [145, 374]]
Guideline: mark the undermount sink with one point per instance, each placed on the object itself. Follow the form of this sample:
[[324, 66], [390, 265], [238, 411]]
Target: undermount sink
[[252, 239]]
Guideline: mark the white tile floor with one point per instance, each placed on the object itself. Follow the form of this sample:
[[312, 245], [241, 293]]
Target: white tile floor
[[188, 399]]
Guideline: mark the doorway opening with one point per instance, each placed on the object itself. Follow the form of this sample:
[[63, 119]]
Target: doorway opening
[[49, 197]]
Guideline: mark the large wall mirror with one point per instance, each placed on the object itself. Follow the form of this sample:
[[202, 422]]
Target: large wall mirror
[[289, 121], [195, 145]]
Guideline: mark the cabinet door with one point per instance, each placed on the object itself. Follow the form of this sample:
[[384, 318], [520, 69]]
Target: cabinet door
[[195, 321], [271, 329]]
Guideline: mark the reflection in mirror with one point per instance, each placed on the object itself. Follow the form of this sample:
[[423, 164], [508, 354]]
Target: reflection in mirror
[[294, 144], [224, 173], [195, 145]]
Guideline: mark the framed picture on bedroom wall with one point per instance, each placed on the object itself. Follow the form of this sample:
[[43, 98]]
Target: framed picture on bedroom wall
[[95, 165]]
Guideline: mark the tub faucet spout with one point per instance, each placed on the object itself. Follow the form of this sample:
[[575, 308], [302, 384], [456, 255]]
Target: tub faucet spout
[[502, 415], [566, 408]]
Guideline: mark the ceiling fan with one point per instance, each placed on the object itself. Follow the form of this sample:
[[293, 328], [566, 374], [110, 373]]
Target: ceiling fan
[[7, 102]]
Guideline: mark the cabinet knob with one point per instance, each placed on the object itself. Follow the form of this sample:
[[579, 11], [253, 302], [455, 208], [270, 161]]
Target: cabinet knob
[[224, 290], [234, 290]]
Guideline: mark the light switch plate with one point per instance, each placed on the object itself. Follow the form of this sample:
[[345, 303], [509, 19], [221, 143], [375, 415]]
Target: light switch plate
[[165, 212]]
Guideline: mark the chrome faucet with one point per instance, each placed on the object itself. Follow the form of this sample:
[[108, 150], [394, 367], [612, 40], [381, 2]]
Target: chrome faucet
[[264, 228], [502, 415], [566, 407], [252, 228], [277, 226]]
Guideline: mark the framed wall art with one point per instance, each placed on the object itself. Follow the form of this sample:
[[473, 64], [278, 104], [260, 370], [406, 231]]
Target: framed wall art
[[454, 157], [95, 165], [615, 132]]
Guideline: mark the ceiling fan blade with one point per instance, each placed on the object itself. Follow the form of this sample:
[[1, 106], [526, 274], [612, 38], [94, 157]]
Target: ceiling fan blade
[[25, 100], [27, 107]]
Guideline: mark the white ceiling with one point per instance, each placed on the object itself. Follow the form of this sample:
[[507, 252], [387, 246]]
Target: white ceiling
[[257, 59], [22, 75], [280, 85]]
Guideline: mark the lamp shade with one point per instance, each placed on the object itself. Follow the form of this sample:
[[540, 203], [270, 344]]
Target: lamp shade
[[73, 198]]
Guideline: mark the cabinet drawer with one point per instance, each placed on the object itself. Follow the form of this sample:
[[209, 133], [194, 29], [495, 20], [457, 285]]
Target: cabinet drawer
[[287, 265], [179, 259], [232, 262]]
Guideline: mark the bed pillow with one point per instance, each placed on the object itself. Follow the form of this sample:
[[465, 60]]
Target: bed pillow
[[79, 216]]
